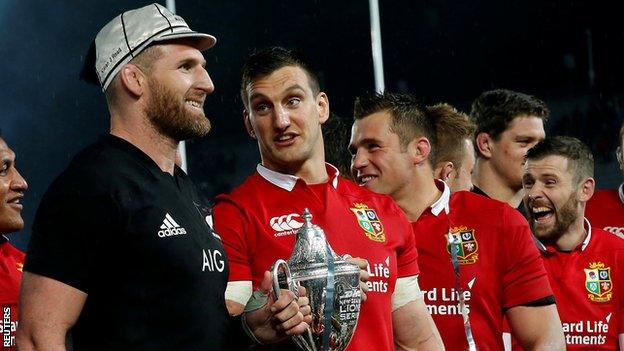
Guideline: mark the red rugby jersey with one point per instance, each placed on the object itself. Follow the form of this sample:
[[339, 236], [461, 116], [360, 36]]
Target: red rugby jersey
[[606, 210], [259, 219], [11, 263], [500, 266], [588, 283]]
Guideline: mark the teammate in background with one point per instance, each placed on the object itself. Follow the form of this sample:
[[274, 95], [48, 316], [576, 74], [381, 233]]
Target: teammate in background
[[606, 208], [585, 264], [120, 251], [508, 124], [454, 156], [284, 111], [336, 140], [500, 272], [12, 188]]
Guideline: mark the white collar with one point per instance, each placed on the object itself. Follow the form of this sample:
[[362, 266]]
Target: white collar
[[288, 181], [587, 227], [621, 192], [442, 203]]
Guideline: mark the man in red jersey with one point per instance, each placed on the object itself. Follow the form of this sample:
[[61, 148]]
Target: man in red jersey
[[12, 188], [606, 208], [284, 111], [585, 264], [508, 124], [455, 158], [499, 271]]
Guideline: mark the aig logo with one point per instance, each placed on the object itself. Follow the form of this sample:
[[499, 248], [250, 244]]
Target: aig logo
[[285, 222], [213, 261]]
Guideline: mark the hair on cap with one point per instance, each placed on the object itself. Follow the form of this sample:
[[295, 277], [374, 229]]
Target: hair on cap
[[128, 34]]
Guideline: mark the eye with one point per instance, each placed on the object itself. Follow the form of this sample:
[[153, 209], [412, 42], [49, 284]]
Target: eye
[[550, 182], [185, 66], [261, 108], [4, 169], [294, 102], [527, 183]]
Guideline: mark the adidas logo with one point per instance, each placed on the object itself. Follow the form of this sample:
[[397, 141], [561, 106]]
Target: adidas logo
[[170, 227]]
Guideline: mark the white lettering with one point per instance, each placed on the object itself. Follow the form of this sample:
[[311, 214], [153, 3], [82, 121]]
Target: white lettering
[[213, 260]]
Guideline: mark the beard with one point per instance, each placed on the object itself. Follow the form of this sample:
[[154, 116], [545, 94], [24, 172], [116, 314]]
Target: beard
[[170, 115], [564, 217]]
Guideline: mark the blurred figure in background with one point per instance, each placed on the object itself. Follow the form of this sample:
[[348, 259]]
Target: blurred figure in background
[[508, 124], [454, 156], [12, 188], [606, 208]]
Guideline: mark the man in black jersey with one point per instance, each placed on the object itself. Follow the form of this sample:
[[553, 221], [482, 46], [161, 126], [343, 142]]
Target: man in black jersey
[[121, 253]]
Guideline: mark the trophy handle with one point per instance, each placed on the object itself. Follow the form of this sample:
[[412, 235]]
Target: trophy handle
[[305, 341], [290, 283]]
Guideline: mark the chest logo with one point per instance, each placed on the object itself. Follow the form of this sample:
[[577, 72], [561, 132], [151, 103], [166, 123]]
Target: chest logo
[[170, 227], [466, 240], [369, 221], [598, 282]]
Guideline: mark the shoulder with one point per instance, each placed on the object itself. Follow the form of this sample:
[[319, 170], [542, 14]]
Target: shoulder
[[606, 239], [604, 195]]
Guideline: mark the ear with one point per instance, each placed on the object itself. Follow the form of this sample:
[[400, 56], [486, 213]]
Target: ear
[[484, 144], [322, 105], [419, 150], [586, 190], [443, 171], [133, 79], [248, 126]]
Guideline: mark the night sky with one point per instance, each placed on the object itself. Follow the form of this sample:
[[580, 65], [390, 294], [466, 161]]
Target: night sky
[[439, 50]]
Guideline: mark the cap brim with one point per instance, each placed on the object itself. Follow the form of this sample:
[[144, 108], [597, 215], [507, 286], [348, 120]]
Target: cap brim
[[202, 41]]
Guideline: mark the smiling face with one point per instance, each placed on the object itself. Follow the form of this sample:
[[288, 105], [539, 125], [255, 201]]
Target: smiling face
[[178, 85], [551, 197], [379, 162], [285, 116], [12, 188], [507, 153]]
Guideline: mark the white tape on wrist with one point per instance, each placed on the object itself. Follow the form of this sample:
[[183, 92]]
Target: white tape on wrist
[[406, 290], [238, 291]]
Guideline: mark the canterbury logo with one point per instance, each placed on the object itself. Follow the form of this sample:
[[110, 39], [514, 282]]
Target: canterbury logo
[[170, 227], [285, 222]]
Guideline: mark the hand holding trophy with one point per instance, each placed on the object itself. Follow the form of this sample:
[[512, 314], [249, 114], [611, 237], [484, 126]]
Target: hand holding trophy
[[332, 284]]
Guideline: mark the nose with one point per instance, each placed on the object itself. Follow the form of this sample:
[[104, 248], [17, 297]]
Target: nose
[[204, 82], [281, 119], [358, 161], [18, 183]]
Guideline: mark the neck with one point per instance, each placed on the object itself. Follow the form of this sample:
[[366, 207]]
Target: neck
[[417, 196], [573, 236], [485, 178], [138, 131]]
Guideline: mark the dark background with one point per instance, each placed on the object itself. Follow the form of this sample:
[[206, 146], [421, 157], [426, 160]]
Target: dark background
[[441, 50]]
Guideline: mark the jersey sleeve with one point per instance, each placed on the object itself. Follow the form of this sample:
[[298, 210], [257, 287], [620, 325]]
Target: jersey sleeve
[[232, 226], [407, 255], [525, 279], [69, 227]]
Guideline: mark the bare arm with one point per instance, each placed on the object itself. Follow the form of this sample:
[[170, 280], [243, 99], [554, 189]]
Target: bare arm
[[537, 327], [48, 309], [414, 328]]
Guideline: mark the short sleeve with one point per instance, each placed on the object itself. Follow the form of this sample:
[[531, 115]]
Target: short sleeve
[[407, 255], [69, 227], [525, 279], [232, 226]]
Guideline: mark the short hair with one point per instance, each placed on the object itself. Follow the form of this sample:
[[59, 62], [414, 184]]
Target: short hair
[[494, 110], [144, 60], [452, 128], [580, 158], [266, 61], [410, 119]]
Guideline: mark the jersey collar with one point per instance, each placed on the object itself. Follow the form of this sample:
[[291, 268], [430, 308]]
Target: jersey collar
[[3, 239], [581, 247], [442, 203], [288, 181]]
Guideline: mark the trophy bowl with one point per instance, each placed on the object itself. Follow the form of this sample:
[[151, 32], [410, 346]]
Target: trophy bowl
[[332, 284]]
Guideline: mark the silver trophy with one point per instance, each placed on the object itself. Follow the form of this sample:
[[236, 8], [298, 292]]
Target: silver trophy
[[332, 284]]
